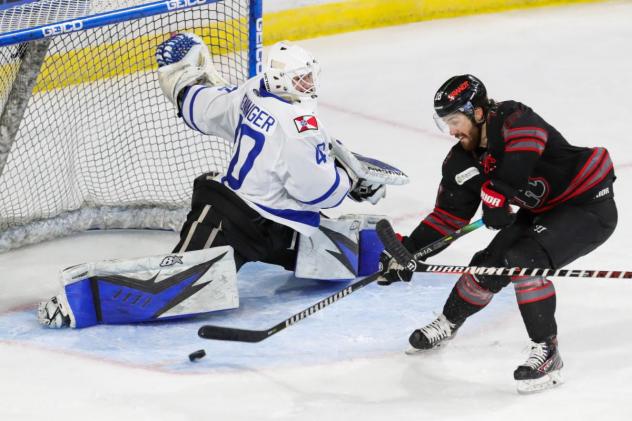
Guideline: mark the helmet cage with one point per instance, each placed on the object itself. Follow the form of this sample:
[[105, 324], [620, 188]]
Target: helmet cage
[[292, 72]]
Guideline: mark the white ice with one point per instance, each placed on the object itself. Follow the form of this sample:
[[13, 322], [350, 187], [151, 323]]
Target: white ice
[[572, 65]]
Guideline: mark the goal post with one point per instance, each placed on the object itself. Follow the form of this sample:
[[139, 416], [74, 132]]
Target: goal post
[[87, 140]]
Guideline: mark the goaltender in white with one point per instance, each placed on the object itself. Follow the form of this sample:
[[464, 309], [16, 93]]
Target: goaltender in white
[[284, 169]]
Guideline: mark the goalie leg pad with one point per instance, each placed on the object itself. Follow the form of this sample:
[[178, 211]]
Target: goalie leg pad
[[331, 253], [151, 288], [341, 249], [371, 246]]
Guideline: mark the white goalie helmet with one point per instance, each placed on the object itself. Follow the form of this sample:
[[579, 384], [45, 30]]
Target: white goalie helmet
[[291, 72]]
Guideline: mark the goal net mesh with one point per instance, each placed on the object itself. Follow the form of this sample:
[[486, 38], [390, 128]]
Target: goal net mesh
[[98, 133]]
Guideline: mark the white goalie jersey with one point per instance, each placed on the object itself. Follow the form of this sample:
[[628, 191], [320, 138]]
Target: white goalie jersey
[[280, 164]]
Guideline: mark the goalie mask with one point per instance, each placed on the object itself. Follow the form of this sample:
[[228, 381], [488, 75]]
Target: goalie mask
[[291, 72]]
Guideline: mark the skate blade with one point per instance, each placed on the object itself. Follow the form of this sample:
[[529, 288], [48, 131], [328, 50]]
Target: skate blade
[[551, 380], [417, 351]]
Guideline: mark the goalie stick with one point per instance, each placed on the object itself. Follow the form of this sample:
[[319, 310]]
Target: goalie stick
[[411, 262], [246, 335]]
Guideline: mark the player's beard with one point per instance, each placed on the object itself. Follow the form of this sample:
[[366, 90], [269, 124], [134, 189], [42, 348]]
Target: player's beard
[[470, 140]]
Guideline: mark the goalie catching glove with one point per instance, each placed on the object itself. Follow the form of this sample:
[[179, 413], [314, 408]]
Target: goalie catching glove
[[184, 60], [362, 190], [369, 176]]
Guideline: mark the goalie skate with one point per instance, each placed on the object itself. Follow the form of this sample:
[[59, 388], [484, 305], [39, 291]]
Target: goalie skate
[[542, 370], [54, 312], [432, 336]]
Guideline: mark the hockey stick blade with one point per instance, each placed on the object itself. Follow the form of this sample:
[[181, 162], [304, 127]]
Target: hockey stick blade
[[253, 336], [232, 334], [403, 256], [245, 335]]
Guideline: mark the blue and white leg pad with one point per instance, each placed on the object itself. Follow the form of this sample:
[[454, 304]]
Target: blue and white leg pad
[[341, 249], [151, 288]]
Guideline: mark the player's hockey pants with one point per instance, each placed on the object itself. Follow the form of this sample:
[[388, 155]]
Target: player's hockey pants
[[548, 240]]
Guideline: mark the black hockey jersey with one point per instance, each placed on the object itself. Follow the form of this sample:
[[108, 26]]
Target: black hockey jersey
[[525, 153]]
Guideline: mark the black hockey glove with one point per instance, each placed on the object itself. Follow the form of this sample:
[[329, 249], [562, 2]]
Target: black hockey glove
[[496, 211], [391, 271]]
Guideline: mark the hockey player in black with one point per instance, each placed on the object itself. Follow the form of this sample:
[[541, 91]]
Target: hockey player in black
[[507, 154]]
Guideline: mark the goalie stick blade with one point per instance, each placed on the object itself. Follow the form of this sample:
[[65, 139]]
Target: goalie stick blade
[[231, 334]]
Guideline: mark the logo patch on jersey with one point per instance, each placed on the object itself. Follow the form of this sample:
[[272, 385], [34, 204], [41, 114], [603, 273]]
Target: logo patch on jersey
[[468, 174], [305, 123], [534, 196]]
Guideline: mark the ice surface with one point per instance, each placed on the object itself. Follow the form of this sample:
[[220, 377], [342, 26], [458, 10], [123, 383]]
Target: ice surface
[[346, 362]]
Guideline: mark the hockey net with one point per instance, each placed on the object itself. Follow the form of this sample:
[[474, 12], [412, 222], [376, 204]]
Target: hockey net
[[98, 145]]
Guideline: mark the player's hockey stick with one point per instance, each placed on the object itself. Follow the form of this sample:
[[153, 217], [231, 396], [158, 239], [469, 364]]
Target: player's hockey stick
[[411, 262], [246, 335]]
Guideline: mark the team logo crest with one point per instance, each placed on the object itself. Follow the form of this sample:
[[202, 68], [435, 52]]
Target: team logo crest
[[306, 122]]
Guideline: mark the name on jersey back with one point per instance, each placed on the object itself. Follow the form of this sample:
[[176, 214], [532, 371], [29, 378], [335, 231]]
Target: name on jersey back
[[256, 115]]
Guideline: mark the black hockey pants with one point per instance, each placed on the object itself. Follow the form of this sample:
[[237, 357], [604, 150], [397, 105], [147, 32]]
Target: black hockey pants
[[219, 217], [549, 240]]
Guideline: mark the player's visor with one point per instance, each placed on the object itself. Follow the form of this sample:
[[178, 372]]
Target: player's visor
[[456, 121]]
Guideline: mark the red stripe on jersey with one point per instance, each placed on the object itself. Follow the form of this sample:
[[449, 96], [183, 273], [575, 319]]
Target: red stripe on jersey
[[527, 140], [526, 145], [588, 168], [437, 219], [594, 171], [590, 184], [434, 227], [591, 165], [534, 150], [442, 221], [452, 216], [514, 132]]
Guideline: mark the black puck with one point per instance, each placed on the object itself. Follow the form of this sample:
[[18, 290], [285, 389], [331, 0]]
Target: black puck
[[200, 353]]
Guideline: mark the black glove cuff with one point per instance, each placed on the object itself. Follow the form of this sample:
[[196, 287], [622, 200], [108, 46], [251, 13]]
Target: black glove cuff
[[503, 188]]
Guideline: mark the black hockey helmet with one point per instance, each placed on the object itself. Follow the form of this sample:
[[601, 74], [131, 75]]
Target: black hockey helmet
[[460, 93]]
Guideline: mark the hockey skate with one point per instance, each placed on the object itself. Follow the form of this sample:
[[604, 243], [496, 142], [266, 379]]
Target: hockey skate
[[432, 336], [54, 313], [542, 370]]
